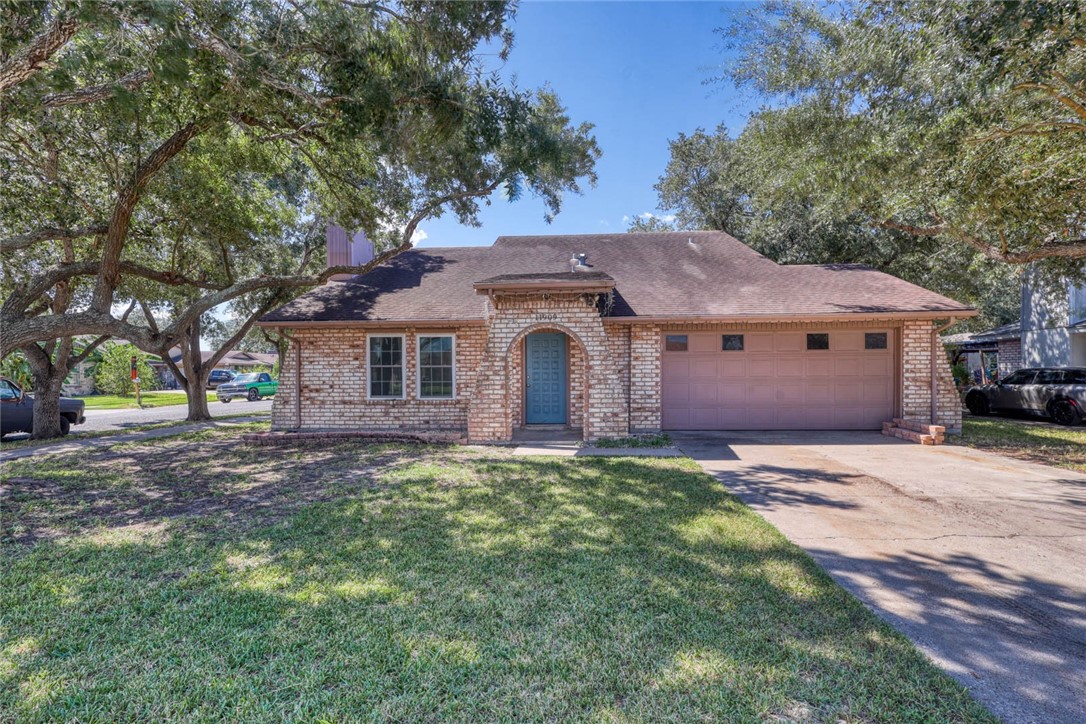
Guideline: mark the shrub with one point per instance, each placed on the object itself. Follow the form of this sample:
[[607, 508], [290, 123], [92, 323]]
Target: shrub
[[113, 374]]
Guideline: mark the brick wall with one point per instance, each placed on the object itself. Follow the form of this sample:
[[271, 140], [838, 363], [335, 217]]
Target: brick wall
[[614, 375], [916, 351], [594, 376], [334, 384], [1009, 355]]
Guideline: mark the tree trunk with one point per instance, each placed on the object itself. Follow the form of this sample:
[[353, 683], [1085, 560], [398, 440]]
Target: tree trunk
[[48, 377], [195, 388]]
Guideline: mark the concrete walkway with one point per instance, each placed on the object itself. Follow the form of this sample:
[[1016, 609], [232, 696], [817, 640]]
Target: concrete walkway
[[570, 450], [979, 559], [70, 444]]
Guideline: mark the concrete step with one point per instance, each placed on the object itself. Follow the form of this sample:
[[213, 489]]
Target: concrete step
[[910, 435]]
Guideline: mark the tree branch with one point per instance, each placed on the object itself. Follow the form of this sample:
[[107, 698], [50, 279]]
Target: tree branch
[[76, 359], [94, 93], [49, 233], [30, 59], [109, 271], [1049, 249]]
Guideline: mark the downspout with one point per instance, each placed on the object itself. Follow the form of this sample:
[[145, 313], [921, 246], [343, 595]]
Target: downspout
[[936, 346]]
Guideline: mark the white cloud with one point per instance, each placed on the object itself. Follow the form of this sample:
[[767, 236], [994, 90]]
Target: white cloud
[[419, 235], [667, 218], [604, 222], [625, 219]]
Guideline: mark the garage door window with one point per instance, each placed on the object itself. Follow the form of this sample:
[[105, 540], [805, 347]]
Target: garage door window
[[818, 341], [675, 343], [875, 340], [732, 343]]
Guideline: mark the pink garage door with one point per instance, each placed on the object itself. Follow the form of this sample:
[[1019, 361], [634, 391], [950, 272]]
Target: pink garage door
[[816, 380]]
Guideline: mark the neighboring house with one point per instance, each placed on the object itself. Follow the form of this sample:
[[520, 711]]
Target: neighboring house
[[235, 360], [1051, 333], [988, 356], [647, 332], [1053, 325]]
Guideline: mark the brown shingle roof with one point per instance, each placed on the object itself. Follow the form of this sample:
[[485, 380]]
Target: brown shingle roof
[[657, 275]]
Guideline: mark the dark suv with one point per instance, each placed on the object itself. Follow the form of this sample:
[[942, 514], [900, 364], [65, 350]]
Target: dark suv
[[1059, 393], [218, 377]]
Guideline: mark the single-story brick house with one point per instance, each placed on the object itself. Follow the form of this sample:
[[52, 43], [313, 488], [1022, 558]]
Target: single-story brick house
[[612, 335]]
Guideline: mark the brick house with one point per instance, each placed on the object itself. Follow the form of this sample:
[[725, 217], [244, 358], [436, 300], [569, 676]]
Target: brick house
[[611, 335]]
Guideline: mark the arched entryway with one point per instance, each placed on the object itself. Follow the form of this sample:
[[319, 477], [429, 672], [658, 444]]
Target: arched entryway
[[546, 376]]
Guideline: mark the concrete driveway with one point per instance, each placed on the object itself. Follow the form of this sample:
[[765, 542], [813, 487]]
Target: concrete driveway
[[978, 558]]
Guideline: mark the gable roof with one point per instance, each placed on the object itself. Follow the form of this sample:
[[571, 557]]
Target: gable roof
[[671, 275]]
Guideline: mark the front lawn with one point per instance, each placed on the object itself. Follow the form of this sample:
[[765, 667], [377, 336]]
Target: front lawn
[[198, 578], [149, 399], [1039, 442]]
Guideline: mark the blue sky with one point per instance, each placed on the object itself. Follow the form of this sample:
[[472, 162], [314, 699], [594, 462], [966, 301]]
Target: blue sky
[[634, 69]]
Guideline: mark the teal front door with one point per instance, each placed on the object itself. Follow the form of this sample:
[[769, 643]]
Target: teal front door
[[545, 384]]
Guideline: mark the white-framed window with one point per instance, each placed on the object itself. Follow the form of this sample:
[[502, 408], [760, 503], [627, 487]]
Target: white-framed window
[[436, 366], [385, 359]]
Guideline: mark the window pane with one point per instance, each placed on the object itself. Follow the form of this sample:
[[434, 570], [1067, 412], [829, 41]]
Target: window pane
[[386, 367], [436, 367], [1021, 377], [675, 343], [818, 341], [875, 340], [732, 342], [1075, 377], [1049, 377]]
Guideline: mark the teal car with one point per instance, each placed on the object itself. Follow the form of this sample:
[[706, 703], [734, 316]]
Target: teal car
[[251, 386]]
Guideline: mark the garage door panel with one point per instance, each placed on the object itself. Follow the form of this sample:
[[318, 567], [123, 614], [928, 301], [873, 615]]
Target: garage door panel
[[762, 393], [849, 341], [762, 366], [705, 368], [776, 383], [758, 342], [704, 394], [790, 367], [790, 342], [847, 392], [732, 393], [820, 366], [879, 366], [848, 366], [731, 367], [877, 391]]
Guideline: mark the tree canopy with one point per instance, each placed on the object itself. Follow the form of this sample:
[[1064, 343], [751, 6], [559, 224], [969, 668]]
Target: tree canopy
[[192, 145], [955, 120]]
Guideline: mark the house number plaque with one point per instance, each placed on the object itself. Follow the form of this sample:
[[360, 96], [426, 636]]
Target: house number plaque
[[546, 317]]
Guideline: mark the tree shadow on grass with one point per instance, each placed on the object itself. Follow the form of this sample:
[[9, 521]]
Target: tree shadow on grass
[[462, 587]]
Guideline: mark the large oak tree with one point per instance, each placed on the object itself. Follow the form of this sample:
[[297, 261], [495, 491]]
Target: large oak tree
[[139, 137]]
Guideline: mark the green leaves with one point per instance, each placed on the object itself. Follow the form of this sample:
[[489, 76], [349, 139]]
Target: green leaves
[[958, 117]]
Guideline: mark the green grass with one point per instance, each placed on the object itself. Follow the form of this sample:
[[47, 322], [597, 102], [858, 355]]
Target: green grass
[[149, 399], [199, 578], [1040, 442]]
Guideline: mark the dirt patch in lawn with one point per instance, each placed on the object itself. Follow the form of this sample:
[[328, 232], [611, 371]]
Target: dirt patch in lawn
[[207, 475]]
